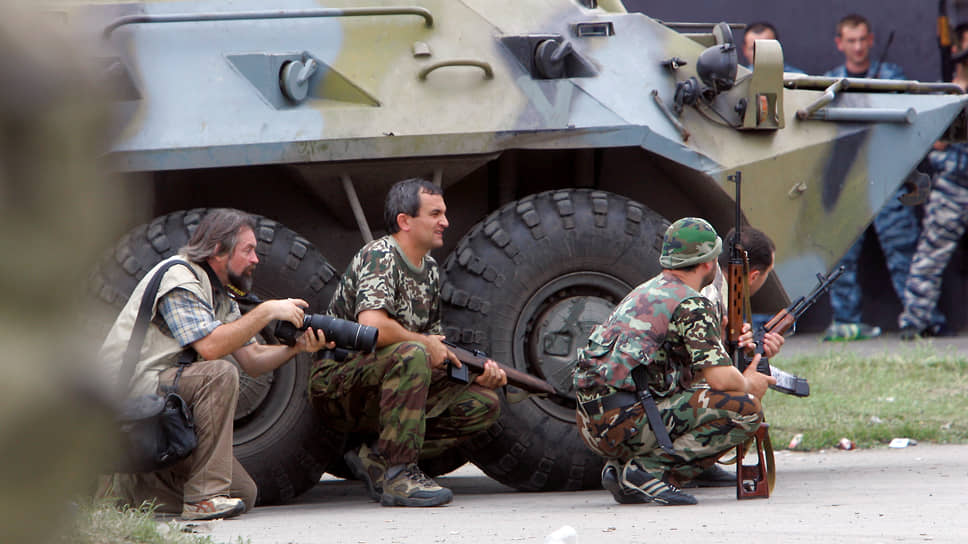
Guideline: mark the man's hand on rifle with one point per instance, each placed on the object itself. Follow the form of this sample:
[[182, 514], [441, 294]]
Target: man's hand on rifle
[[772, 341], [756, 383], [439, 353], [493, 376]]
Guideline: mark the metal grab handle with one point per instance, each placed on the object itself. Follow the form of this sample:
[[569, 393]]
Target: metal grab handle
[[829, 94], [819, 83], [488, 72], [256, 15]]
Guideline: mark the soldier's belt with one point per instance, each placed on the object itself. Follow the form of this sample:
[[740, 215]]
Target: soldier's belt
[[619, 399]]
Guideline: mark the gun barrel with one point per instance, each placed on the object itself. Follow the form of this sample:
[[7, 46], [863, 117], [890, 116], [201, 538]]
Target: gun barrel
[[515, 377]]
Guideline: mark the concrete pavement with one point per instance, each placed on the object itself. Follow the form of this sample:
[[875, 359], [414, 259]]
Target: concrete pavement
[[915, 494], [882, 495]]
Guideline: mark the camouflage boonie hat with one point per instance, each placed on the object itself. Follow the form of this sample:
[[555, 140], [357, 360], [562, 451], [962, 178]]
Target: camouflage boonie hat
[[689, 241]]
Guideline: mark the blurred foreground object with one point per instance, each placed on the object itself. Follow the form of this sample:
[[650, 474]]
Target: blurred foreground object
[[54, 217]]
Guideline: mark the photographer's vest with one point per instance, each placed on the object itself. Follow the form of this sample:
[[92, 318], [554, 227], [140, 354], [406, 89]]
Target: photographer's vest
[[159, 351]]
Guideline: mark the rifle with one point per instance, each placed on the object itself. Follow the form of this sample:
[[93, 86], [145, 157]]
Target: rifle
[[736, 277], [890, 40], [944, 41], [474, 360], [780, 323], [739, 304]]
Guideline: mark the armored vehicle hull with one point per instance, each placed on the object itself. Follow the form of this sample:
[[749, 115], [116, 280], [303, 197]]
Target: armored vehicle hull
[[566, 134]]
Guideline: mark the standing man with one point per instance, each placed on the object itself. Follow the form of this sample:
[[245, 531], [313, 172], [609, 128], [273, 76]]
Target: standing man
[[193, 311], [761, 30], [401, 391], [896, 225], [664, 341], [945, 219]]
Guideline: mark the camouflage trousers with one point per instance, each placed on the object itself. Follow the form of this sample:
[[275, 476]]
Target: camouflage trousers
[[897, 230], [945, 218], [703, 425], [415, 411]]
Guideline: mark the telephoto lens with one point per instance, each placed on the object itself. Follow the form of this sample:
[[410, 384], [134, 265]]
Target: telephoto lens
[[346, 334]]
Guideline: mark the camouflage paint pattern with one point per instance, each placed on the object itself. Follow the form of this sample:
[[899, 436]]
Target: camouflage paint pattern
[[897, 231], [206, 94], [380, 278], [689, 241], [663, 324], [392, 392]]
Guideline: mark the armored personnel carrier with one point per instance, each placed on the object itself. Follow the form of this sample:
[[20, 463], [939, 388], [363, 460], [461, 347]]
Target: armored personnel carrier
[[566, 134]]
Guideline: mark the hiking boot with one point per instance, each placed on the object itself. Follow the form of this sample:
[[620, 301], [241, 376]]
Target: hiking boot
[[659, 491], [622, 495], [714, 476], [411, 487], [368, 467], [850, 331], [214, 508]]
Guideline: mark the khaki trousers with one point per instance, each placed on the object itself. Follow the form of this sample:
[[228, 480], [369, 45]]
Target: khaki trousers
[[211, 388]]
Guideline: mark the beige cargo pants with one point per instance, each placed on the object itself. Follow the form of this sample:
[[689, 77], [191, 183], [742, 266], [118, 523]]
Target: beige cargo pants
[[211, 388]]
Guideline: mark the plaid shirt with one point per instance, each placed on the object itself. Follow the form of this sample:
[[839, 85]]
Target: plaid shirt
[[187, 318]]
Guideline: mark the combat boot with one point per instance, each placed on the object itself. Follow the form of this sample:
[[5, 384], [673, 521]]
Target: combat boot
[[664, 493], [368, 467], [407, 485], [622, 495]]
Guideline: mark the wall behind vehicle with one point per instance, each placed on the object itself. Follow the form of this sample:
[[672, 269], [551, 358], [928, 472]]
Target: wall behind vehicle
[[807, 28]]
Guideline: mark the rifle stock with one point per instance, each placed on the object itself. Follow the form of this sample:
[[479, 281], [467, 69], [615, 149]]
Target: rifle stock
[[785, 318], [736, 279], [475, 361]]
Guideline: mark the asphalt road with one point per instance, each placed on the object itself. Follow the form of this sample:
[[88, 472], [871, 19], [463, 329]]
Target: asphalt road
[[914, 494]]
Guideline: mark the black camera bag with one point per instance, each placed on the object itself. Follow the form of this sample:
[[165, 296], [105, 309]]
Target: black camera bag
[[155, 431]]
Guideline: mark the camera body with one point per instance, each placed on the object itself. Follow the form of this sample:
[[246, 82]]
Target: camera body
[[346, 334]]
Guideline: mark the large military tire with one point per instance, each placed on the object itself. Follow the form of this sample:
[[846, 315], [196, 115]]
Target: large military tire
[[527, 285], [278, 437]]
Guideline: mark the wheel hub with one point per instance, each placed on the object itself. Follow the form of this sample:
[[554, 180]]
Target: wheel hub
[[556, 322]]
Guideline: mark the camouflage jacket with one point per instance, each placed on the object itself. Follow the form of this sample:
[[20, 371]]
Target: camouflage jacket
[[951, 163], [381, 278], [664, 324]]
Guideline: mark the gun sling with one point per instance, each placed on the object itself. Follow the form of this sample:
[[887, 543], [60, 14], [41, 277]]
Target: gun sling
[[622, 399], [641, 378], [655, 420]]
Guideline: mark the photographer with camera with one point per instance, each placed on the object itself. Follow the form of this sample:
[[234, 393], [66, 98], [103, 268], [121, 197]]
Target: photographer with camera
[[194, 313], [401, 391]]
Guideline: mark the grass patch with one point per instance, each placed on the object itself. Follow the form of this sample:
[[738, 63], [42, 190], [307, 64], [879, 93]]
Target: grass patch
[[101, 522], [914, 393]]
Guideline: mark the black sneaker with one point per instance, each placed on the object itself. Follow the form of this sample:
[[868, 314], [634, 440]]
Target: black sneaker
[[714, 476], [622, 495], [910, 332], [659, 491]]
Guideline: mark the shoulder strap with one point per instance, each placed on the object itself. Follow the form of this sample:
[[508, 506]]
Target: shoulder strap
[[141, 324]]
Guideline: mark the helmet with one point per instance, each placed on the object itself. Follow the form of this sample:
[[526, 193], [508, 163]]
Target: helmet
[[689, 241]]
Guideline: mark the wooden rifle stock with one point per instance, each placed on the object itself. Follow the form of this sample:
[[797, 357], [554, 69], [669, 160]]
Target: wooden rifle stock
[[785, 318], [475, 362], [736, 280]]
